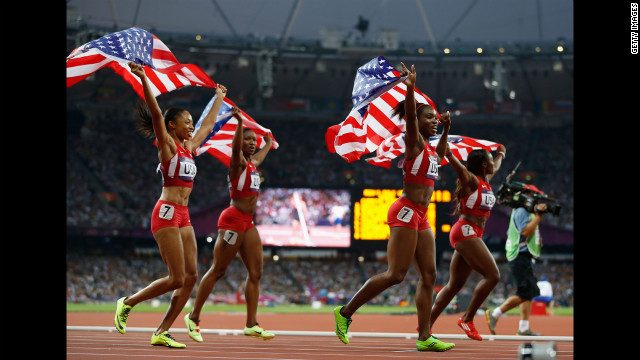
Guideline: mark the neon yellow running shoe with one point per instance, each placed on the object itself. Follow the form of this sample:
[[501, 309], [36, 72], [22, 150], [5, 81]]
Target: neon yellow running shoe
[[193, 328], [257, 331], [433, 344], [165, 339], [122, 314], [342, 325]]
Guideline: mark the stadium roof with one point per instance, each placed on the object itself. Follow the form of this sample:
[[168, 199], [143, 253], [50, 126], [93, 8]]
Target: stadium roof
[[428, 21]]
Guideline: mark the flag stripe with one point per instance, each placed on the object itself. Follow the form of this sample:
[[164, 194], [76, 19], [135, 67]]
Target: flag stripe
[[371, 125], [218, 142], [116, 50], [371, 120], [460, 147], [85, 67]]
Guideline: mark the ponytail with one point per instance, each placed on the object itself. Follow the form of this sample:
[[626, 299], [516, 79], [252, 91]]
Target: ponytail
[[456, 195], [144, 123]]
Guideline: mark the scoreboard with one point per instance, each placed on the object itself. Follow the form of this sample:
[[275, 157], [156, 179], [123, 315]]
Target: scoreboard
[[370, 212]]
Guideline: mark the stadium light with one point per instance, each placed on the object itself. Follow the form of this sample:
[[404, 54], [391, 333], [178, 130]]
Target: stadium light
[[560, 44]]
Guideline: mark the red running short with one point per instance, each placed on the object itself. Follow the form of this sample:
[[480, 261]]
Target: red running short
[[404, 212], [168, 214], [233, 219], [463, 230]]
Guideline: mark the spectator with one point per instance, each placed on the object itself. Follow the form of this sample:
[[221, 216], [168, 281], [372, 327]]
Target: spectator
[[546, 293]]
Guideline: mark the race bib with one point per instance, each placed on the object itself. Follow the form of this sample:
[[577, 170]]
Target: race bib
[[187, 169], [166, 212], [255, 181], [467, 230], [230, 237], [405, 214], [488, 200], [432, 172]]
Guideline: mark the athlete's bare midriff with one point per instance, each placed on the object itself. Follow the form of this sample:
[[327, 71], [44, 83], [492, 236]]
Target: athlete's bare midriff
[[176, 194], [418, 193]]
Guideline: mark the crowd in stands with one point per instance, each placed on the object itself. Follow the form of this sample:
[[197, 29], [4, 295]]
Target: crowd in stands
[[105, 278], [112, 180]]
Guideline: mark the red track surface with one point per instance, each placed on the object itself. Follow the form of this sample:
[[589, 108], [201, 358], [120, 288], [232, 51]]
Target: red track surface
[[104, 345]]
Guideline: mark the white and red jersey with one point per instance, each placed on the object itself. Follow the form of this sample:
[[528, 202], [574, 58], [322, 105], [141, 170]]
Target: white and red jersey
[[479, 202], [180, 170], [245, 185], [422, 169]]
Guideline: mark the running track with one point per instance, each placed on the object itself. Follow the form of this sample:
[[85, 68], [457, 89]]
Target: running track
[[295, 338]]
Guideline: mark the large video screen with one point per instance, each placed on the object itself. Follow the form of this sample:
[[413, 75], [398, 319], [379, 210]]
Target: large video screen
[[371, 207], [304, 217]]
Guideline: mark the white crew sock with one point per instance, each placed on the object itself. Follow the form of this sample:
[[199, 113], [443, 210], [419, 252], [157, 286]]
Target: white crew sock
[[524, 325], [496, 312]]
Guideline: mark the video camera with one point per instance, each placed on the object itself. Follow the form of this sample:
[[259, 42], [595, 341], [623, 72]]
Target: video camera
[[516, 194]]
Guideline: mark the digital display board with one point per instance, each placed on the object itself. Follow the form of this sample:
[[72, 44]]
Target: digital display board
[[304, 217], [371, 207]]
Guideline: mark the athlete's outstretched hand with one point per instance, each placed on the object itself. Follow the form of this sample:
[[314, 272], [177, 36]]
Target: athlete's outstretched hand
[[411, 79], [445, 120], [137, 69]]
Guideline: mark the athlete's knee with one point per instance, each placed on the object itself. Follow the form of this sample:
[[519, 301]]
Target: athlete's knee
[[429, 277], [191, 278], [254, 274], [217, 272], [493, 276], [176, 281], [395, 277]]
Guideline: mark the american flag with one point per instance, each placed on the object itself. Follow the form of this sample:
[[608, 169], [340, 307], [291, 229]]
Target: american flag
[[377, 88], [116, 50], [460, 147], [218, 143]]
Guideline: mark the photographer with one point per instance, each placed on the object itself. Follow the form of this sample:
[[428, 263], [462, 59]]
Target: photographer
[[522, 247]]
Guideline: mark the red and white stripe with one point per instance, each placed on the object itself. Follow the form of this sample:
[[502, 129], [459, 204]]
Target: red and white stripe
[[170, 74], [460, 147], [358, 135], [219, 145]]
